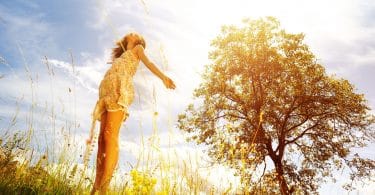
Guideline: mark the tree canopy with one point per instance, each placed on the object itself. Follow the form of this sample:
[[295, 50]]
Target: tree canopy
[[267, 108]]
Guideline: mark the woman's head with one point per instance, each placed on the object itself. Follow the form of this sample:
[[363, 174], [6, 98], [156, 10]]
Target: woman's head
[[127, 42]]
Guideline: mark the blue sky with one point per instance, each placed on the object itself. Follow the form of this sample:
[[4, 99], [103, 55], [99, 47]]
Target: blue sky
[[340, 33]]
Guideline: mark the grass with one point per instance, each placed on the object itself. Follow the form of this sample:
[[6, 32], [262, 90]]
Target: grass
[[23, 177]]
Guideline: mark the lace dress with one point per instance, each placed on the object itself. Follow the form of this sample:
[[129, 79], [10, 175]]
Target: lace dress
[[116, 90]]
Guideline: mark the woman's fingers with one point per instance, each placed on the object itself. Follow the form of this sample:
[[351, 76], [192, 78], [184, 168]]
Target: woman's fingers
[[171, 84]]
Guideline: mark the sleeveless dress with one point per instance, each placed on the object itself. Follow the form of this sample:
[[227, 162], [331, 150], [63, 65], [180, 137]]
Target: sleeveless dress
[[116, 90]]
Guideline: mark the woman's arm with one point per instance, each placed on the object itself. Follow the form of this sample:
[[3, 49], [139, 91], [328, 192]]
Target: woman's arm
[[152, 67]]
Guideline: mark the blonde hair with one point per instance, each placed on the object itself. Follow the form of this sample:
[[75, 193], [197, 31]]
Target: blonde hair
[[122, 44]]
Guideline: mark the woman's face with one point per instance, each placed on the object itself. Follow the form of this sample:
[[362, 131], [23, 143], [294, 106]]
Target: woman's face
[[132, 38]]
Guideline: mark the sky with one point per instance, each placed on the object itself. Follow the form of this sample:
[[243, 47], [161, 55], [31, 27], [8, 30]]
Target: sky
[[53, 56]]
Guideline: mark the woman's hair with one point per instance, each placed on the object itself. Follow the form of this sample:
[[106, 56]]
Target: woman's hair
[[122, 44]]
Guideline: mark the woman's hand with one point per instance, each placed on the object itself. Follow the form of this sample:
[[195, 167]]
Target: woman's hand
[[168, 83]]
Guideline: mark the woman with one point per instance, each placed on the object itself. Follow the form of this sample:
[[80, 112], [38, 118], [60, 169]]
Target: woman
[[116, 93]]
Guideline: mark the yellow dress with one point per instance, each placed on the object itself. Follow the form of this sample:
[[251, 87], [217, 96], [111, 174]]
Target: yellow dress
[[116, 90]]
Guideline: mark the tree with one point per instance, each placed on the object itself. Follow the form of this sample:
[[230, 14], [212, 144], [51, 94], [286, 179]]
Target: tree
[[265, 100]]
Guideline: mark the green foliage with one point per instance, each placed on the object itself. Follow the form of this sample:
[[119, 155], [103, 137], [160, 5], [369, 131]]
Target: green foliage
[[260, 69], [23, 177]]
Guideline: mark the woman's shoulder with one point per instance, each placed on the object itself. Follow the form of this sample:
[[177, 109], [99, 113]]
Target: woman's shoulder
[[133, 52], [138, 49]]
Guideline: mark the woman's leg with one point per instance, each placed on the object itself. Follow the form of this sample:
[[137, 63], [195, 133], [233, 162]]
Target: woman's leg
[[111, 149], [100, 156]]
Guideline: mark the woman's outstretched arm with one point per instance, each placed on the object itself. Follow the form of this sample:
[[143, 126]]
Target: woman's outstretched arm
[[152, 67]]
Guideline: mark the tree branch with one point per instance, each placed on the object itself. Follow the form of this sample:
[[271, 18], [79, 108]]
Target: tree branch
[[302, 134]]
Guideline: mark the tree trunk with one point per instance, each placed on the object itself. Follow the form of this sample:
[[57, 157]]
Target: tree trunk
[[280, 177]]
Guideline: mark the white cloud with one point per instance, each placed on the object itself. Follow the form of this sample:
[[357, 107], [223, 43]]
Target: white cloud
[[85, 75]]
